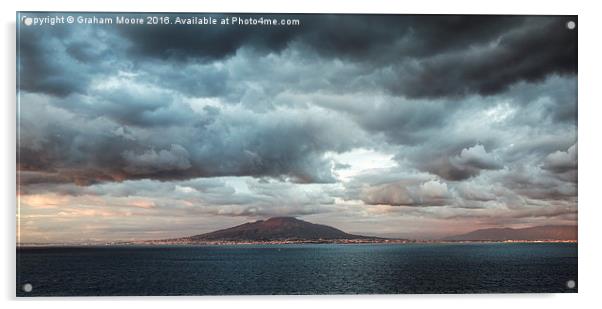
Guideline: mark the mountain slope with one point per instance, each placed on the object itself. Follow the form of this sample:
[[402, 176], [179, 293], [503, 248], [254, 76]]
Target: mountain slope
[[546, 232], [275, 229]]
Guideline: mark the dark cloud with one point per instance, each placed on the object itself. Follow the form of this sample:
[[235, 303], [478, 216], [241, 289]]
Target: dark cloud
[[414, 56], [468, 163], [562, 161], [37, 74], [408, 193], [60, 60], [349, 36], [538, 47], [418, 56], [533, 183], [404, 122], [130, 104], [479, 193], [234, 143], [563, 165], [152, 161], [196, 80], [205, 42]]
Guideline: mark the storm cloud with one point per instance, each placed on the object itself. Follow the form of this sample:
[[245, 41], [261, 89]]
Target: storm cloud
[[351, 119]]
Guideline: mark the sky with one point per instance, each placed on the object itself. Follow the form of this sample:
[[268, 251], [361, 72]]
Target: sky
[[388, 125]]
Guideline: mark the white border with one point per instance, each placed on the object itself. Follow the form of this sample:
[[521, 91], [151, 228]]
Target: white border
[[589, 148]]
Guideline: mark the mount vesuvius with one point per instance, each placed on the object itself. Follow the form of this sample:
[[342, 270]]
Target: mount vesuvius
[[277, 229]]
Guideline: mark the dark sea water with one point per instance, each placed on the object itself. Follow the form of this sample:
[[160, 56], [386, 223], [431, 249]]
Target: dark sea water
[[298, 269]]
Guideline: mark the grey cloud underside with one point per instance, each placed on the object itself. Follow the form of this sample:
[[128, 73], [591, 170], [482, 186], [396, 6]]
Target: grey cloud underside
[[476, 112], [287, 146], [420, 56], [416, 56]]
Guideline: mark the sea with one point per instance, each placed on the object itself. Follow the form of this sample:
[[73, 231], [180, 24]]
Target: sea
[[292, 269]]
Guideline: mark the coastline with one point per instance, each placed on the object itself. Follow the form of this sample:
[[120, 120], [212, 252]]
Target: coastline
[[284, 242]]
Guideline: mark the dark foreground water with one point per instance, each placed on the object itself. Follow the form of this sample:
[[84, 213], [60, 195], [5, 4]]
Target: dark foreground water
[[298, 269]]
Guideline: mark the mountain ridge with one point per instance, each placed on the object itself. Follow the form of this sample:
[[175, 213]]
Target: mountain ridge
[[536, 233]]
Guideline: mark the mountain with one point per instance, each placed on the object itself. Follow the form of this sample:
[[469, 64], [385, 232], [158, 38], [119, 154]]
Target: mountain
[[546, 232], [275, 229]]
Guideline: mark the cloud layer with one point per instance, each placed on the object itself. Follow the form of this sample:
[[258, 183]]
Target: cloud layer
[[360, 121]]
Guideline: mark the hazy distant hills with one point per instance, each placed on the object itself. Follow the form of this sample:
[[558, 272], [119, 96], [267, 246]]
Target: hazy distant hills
[[275, 229], [546, 232]]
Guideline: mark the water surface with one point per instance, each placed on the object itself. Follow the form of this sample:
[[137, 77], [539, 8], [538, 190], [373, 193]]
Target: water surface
[[298, 269]]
